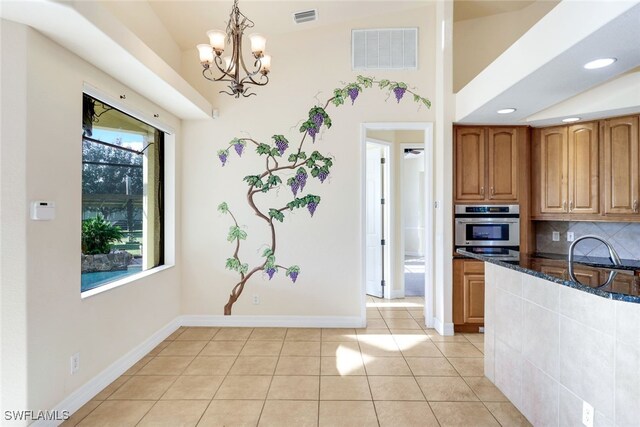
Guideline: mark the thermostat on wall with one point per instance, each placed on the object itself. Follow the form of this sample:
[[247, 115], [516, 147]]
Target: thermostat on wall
[[43, 211]]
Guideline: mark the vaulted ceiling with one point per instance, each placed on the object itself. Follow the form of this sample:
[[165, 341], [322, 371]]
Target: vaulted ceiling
[[188, 21], [472, 9]]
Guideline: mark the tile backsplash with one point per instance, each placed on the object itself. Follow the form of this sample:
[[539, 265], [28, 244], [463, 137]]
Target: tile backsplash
[[625, 238]]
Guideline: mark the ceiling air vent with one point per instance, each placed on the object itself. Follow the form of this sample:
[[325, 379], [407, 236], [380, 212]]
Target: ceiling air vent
[[384, 49], [305, 16]]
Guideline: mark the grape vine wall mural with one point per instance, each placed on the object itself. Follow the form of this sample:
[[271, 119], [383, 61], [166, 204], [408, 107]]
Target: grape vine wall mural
[[302, 164]]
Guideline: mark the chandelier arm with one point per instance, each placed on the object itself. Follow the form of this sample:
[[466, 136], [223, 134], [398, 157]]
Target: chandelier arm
[[215, 79], [257, 64], [229, 93], [249, 80], [219, 65]]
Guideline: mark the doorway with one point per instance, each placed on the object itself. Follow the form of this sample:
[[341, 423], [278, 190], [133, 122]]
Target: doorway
[[412, 218], [397, 216]]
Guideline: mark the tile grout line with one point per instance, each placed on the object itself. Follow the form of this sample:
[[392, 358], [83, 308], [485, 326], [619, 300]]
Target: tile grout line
[[129, 379], [366, 374], [214, 394], [227, 374], [156, 400], [266, 396]]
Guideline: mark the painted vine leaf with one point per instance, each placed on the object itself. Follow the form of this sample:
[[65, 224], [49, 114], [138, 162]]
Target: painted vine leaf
[[295, 174]]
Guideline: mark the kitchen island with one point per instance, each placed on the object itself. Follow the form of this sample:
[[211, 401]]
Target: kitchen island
[[552, 343]]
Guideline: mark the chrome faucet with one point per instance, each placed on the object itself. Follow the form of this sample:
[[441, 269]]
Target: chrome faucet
[[613, 255]]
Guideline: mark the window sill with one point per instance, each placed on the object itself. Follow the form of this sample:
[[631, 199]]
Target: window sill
[[121, 282]]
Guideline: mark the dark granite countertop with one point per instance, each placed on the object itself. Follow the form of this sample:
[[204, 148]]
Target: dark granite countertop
[[592, 272]]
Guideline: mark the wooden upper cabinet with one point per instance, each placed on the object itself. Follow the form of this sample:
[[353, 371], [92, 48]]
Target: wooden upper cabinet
[[567, 170], [552, 156], [486, 164], [470, 164], [621, 157], [584, 171], [503, 164]]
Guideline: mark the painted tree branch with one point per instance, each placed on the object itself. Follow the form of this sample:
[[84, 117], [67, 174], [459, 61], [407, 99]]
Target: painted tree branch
[[315, 164]]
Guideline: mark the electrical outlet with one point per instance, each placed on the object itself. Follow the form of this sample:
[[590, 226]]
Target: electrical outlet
[[256, 299], [75, 363], [555, 236], [570, 236], [587, 414]]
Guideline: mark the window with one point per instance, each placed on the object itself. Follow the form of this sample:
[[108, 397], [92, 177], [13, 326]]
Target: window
[[122, 195]]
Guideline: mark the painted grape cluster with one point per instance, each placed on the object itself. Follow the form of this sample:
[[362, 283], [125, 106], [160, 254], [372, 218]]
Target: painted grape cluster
[[271, 271], [281, 143], [311, 207], [353, 93], [399, 91], [297, 168], [239, 147], [322, 175], [223, 155]]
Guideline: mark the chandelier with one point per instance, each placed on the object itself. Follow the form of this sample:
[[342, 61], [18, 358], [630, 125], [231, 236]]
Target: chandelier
[[229, 68]]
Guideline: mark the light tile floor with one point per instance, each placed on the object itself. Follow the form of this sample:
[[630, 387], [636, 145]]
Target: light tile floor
[[395, 372]]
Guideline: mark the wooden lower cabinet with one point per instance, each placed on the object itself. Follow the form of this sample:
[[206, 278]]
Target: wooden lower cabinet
[[468, 295], [586, 275]]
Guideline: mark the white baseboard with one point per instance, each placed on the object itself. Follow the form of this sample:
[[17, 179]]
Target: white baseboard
[[396, 293], [429, 322], [411, 253], [444, 329], [273, 321], [86, 392]]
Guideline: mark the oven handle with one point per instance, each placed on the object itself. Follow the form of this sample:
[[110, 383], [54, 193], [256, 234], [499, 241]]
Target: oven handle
[[487, 220]]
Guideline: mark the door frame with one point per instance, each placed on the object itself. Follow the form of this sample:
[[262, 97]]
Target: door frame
[[403, 146], [429, 258], [389, 216]]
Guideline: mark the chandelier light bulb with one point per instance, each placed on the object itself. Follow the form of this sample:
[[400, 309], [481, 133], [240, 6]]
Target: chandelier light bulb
[[266, 64], [206, 54], [217, 40], [258, 44]]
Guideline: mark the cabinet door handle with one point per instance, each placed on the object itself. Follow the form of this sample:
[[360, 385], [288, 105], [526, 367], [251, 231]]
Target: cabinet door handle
[[635, 206], [564, 205], [492, 192], [570, 205], [482, 191]]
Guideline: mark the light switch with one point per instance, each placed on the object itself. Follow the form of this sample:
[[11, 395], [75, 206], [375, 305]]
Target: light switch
[[42, 210], [555, 236]]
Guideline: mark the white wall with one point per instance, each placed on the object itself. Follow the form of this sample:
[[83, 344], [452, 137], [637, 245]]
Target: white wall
[[13, 247], [477, 42], [141, 19], [41, 305], [327, 247]]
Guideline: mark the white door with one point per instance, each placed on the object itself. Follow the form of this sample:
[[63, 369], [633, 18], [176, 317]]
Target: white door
[[374, 219]]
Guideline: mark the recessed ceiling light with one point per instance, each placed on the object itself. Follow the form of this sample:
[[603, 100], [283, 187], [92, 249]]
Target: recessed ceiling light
[[599, 63], [571, 119], [506, 111]]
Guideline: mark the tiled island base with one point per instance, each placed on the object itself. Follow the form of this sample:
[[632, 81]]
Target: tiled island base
[[549, 347]]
